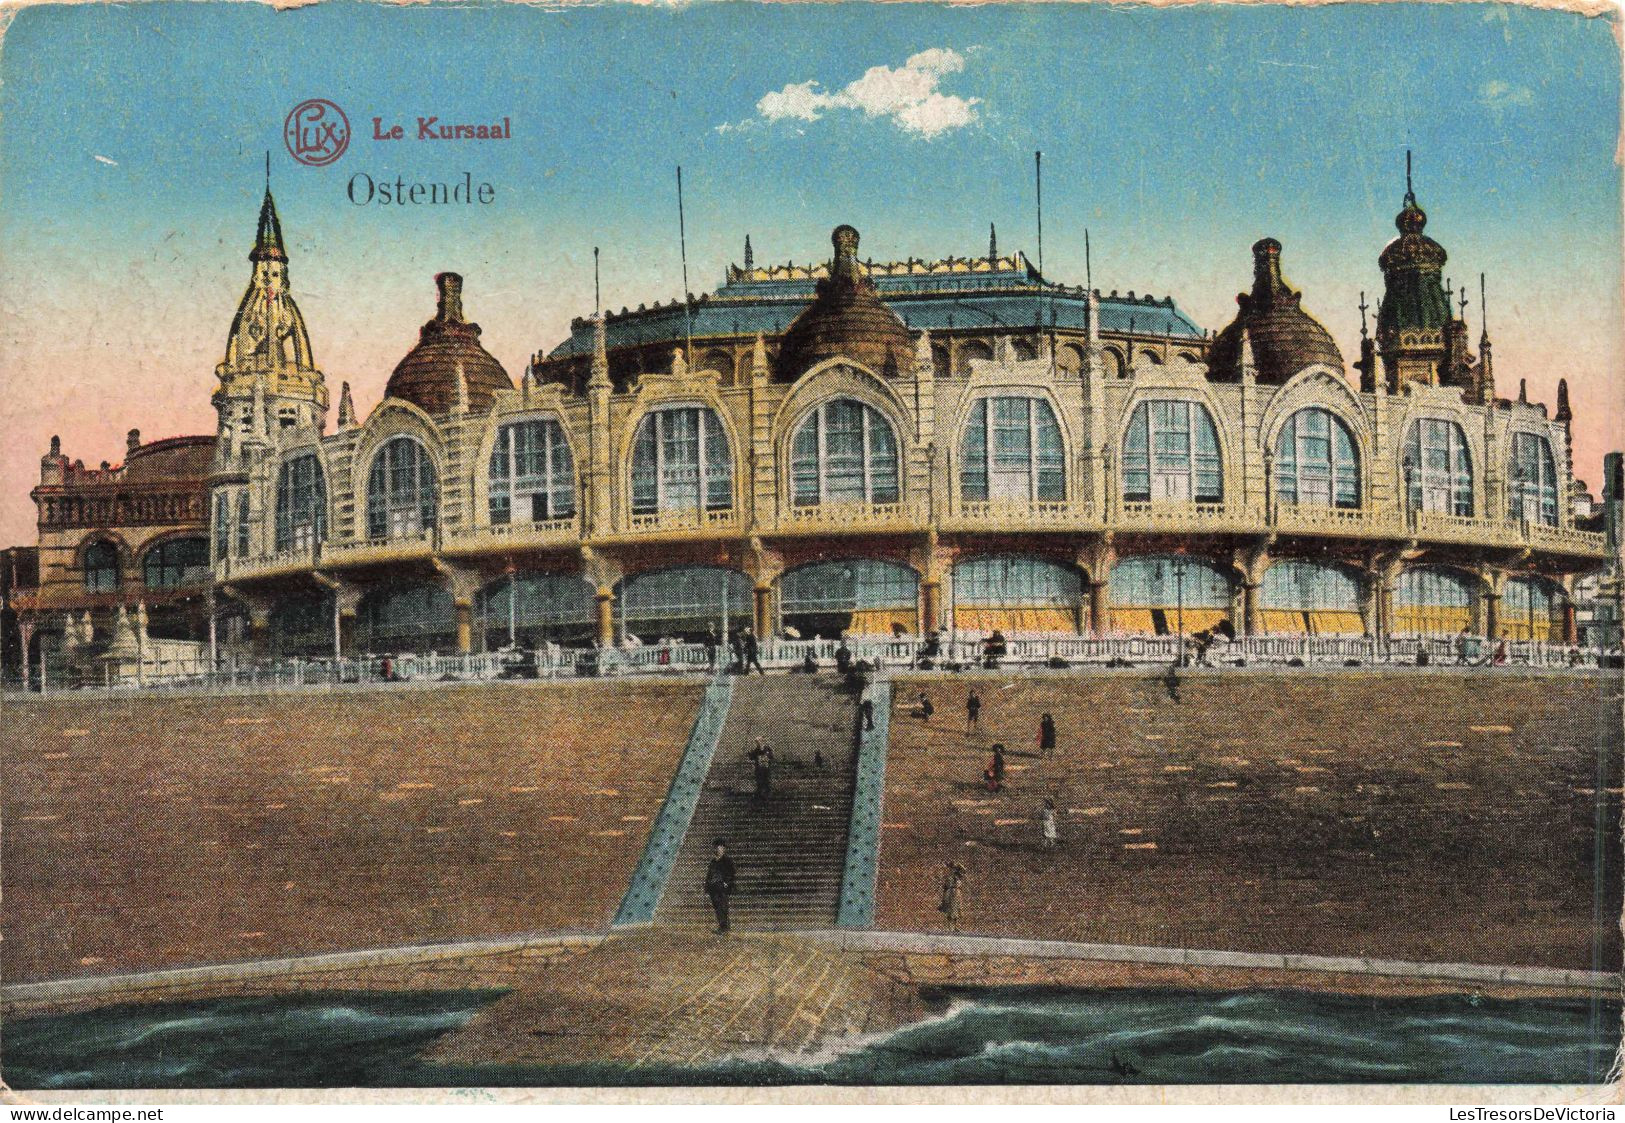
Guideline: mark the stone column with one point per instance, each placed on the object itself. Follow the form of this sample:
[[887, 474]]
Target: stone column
[[1249, 610], [462, 583], [1100, 613], [762, 622], [930, 606], [1370, 609], [463, 610], [259, 629], [606, 616], [1491, 601]]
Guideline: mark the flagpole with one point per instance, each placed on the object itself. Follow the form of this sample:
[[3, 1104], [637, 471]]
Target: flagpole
[[682, 245]]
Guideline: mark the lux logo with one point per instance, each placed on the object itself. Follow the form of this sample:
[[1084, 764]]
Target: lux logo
[[316, 132]]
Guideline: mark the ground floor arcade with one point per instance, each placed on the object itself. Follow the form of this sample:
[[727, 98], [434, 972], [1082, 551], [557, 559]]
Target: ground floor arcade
[[1029, 585]]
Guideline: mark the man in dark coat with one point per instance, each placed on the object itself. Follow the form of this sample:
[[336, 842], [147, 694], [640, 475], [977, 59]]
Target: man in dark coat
[[761, 759], [711, 645], [1046, 734], [719, 884], [752, 655]]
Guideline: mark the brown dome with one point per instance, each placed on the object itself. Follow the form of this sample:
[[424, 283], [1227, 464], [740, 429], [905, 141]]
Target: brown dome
[[427, 377], [1284, 337], [847, 319], [175, 458]]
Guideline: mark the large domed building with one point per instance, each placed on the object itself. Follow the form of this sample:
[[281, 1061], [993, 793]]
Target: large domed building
[[913, 448]]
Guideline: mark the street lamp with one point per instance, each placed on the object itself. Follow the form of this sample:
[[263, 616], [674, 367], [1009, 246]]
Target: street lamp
[[512, 609], [1179, 593]]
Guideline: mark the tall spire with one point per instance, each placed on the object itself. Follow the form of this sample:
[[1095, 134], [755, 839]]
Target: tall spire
[[1564, 414], [346, 407], [992, 243], [750, 256], [268, 240]]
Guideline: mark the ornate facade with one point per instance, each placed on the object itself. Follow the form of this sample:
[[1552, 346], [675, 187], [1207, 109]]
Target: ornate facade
[[900, 448]]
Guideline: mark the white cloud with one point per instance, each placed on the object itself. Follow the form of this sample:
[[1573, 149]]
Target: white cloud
[[907, 95], [1496, 94]]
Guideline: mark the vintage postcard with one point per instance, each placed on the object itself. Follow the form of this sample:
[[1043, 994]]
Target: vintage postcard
[[790, 549]]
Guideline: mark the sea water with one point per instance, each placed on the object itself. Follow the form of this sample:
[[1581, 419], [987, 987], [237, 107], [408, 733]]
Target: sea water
[[1025, 1036]]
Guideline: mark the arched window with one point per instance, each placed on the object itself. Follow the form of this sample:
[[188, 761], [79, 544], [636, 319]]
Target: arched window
[[241, 549], [1527, 610], [302, 624], [1012, 450], [1432, 602], [1301, 597], [402, 495], [533, 476], [859, 597], [1439, 468], [1171, 452], [1532, 487], [101, 568], [414, 618], [1069, 358], [1315, 461], [301, 503], [1161, 594], [1016, 594], [1025, 350], [535, 609], [222, 527], [1111, 364], [180, 561], [680, 461], [844, 452], [683, 603]]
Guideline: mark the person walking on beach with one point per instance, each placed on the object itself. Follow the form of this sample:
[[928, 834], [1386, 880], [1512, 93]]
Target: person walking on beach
[[1046, 734], [711, 644], [719, 884], [1046, 820], [1170, 681], [923, 709], [761, 760], [866, 712], [993, 777], [953, 893], [973, 711], [752, 655]]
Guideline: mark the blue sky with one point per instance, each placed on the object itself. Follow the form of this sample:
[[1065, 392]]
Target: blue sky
[[1178, 137]]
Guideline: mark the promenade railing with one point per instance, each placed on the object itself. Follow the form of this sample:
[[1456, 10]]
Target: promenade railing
[[1031, 650]]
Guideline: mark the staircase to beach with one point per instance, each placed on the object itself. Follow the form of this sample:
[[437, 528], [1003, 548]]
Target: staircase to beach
[[791, 852]]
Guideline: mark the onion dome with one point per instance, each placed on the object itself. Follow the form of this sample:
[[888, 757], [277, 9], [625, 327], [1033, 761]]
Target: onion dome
[[847, 319], [1284, 337], [1414, 299], [448, 350]]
